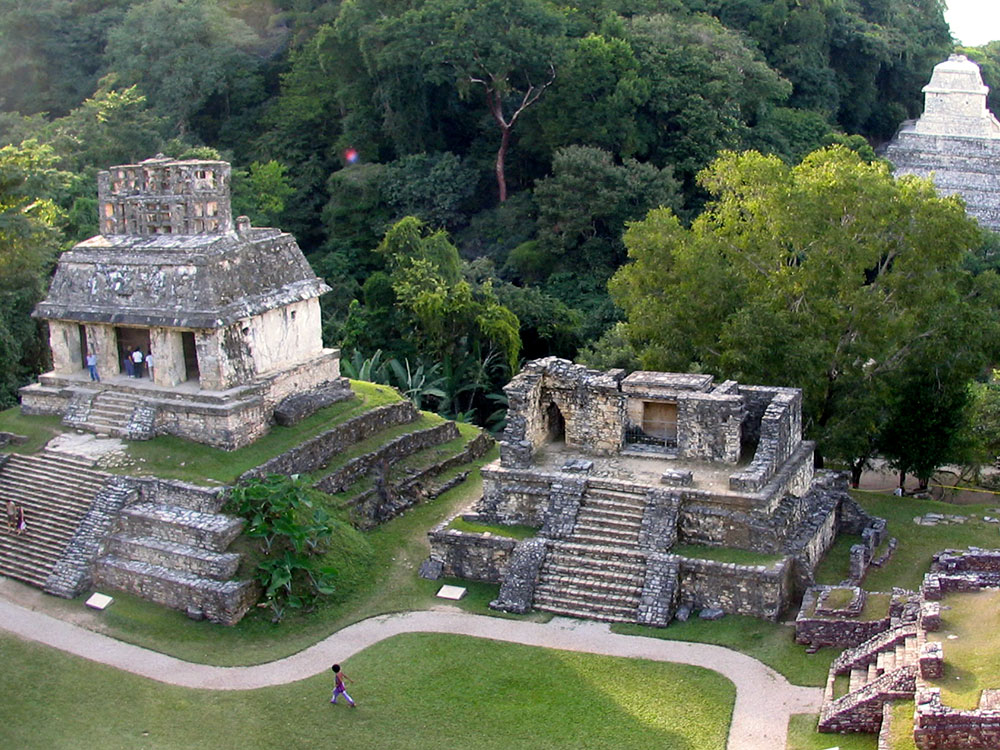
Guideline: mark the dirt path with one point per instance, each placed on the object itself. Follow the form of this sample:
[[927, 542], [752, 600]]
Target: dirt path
[[764, 699]]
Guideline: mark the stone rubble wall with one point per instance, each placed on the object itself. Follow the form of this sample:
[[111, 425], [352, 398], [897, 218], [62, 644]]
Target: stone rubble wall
[[590, 402], [660, 590], [317, 452], [395, 449], [937, 727], [512, 496], [223, 602], [471, 556], [370, 509], [752, 590], [709, 426], [517, 592], [565, 497], [73, 574], [844, 632], [780, 435]]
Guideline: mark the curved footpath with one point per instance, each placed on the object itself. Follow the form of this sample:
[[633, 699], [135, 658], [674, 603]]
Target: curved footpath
[[764, 699]]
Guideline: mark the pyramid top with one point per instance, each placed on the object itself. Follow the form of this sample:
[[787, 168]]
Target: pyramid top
[[165, 196], [955, 102]]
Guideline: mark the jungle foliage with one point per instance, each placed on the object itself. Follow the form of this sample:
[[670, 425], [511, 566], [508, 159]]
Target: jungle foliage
[[461, 172]]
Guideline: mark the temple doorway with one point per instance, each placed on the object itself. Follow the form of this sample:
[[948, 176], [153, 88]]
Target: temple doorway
[[190, 356], [555, 424], [130, 339]]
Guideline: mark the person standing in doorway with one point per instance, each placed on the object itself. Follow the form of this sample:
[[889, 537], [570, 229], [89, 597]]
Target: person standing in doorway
[[339, 688], [129, 367], [137, 362], [92, 366], [149, 365]]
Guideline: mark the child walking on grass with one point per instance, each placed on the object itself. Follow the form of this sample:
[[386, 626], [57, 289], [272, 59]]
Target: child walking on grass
[[339, 688]]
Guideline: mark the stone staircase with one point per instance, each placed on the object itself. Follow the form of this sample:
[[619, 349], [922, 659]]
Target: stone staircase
[[882, 669], [598, 571], [56, 493], [591, 581], [609, 517], [113, 413], [174, 554]]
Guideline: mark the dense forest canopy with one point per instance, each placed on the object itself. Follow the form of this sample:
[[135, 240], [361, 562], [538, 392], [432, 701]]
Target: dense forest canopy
[[461, 172]]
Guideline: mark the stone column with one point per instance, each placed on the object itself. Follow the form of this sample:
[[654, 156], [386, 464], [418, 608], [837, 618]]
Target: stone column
[[210, 360], [167, 348], [101, 339], [64, 341]]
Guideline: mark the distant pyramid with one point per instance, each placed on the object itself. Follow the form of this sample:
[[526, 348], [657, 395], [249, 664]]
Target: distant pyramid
[[956, 141]]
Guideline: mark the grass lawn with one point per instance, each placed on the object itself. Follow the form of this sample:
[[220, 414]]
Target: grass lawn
[[414, 691], [972, 656], [917, 544], [38, 430], [802, 735], [514, 531], [902, 726], [772, 643], [398, 547], [174, 458]]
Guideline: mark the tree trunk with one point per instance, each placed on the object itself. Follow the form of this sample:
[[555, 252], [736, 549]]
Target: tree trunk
[[856, 469], [501, 155], [902, 479]]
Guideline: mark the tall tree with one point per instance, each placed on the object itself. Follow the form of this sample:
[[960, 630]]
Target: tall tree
[[29, 239], [182, 53], [830, 276], [506, 50]]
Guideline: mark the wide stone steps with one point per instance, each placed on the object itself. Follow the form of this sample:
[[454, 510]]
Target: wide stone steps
[[56, 494], [612, 519], [591, 581], [573, 608], [164, 553], [569, 569], [585, 592], [157, 583], [586, 533], [180, 525]]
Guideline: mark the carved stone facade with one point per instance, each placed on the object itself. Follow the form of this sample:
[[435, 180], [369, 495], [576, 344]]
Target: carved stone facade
[[956, 141], [229, 313], [616, 471]]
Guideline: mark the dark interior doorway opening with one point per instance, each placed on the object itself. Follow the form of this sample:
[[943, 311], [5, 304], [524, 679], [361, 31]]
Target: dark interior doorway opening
[[191, 371], [555, 424]]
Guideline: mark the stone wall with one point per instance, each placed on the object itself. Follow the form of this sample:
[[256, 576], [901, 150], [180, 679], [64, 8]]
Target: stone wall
[[709, 427], [219, 426], [392, 451], [589, 404], [471, 556], [379, 504], [937, 727], [224, 602], [753, 590], [513, 496], [317, 452], [817, 630], [73, 573], [780, 435]]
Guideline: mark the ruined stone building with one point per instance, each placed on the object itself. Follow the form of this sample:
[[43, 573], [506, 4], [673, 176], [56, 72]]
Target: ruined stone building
[[956, 140], [229, 312], [634, 485]]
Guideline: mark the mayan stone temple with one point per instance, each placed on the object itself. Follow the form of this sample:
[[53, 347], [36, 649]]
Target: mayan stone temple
[[956, 140], [643, 490], [224, 316]]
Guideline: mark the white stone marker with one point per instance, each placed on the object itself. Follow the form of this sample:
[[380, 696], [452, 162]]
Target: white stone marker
[[451, 592], [99, 601]]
